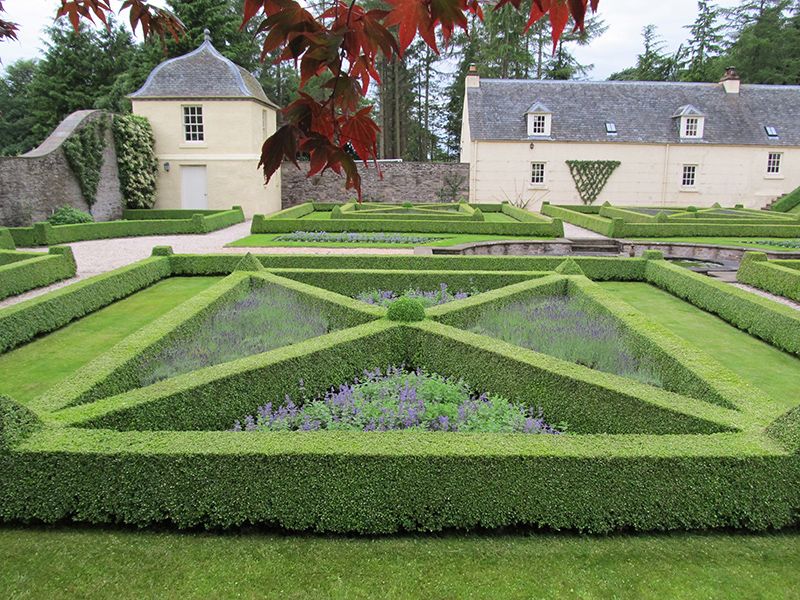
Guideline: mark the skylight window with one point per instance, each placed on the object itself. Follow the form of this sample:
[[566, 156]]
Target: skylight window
[[611, 128], [771, 131]]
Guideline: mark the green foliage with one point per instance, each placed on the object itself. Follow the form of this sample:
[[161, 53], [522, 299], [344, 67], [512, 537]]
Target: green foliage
[[249, 263], [69, 215], [16, 120], [84, 152], [569, 267], [653, 255], [136, 160], [288, 221], [6, 239], [16, 423], [36, 270], [477, 215], [162, 251], [787, 202], [786, 429], [406, 310], [662, 217], [591, 176], [770, 276]]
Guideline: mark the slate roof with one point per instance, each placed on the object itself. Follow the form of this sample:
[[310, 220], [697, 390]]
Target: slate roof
[[202, 73], [642, 111]]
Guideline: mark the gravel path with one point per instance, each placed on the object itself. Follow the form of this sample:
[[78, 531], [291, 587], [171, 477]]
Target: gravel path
[[574, 232], [758, 292], [99, 256]]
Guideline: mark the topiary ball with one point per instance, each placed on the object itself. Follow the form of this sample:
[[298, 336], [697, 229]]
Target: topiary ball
[[406, 309], [408, 205]]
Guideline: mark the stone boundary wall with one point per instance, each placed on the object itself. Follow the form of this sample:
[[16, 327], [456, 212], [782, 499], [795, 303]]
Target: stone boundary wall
[[402, 182], [34, 185]]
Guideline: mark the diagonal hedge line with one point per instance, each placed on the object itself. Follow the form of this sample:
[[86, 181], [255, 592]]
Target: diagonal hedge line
[[775, 277], [41, 270]]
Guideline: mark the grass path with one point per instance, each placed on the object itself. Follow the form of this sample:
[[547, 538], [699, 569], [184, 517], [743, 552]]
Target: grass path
[[95, 563], [35, 367], [775, 372]]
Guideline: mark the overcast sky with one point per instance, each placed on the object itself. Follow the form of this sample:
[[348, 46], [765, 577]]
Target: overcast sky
[[611, 52]]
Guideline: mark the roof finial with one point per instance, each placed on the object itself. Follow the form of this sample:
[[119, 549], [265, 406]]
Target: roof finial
[[206, 34]]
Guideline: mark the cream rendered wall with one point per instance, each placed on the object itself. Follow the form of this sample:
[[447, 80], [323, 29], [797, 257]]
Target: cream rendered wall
[[234, 133], [649, 174]]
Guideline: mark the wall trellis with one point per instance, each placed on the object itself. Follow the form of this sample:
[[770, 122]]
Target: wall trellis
[[591, 176]]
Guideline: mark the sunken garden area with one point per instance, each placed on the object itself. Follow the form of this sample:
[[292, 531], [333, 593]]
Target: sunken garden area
[[367, 394], [407, 224], [678, 222]]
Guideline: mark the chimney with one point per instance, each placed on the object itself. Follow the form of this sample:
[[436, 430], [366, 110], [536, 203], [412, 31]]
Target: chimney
[[730, 81], [473, 79]]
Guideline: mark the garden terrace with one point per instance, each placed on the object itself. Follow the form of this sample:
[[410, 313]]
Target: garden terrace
[[779, 277], [483, 219], [670, 222], [135, 222], [714, 445]]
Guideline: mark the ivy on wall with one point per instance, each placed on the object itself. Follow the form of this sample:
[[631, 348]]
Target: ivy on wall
[[136, 160], [591, 176], [84, 152]]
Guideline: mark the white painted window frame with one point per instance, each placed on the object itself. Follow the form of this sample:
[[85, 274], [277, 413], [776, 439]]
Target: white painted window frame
[[687, 168], [534, 119], [774, 165], [692, 127], [193, 124], [543, 182]]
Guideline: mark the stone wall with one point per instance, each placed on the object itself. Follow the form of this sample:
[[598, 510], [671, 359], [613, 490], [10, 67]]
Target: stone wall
[[35, 184], [402, 182]]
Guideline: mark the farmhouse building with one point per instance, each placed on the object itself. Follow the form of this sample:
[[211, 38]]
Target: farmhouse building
[[676, 143], [210, 118]]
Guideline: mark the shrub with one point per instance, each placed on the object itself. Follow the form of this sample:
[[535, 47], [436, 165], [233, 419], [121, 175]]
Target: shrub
[[68, 215], [136, 160], [406, 309]]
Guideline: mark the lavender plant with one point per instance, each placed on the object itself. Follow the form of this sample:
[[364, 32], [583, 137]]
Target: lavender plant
[[398, 399], [266, 317], [569, 329], [429, 298], [318, 237]]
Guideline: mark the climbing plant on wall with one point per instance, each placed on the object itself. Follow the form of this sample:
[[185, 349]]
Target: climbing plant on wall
[[84, 152], [591, 176], [136, 160]]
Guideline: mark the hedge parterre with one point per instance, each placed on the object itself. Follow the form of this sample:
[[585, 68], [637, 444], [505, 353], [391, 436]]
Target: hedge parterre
[[705, 450], [421, 219], [23, 271], [780, 277], [636, 222], [135, 222]]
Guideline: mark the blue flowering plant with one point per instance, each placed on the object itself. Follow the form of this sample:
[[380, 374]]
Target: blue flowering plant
[[399, 399]]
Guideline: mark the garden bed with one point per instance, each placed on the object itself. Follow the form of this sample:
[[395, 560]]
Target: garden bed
[[705, 448], [139, 222], [484, 219], [644, 222]]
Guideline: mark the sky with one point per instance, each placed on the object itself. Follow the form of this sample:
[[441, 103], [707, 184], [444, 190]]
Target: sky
[[614, 51]]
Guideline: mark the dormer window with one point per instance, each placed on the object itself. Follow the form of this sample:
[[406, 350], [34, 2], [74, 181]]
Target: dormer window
[[691, 122], [771, 132], [611, 128], [539, 120]]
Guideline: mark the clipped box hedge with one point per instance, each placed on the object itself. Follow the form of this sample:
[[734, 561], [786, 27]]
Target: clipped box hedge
[[787, 202], [776, 277], [635, 457], [36, 270], [620, 223], [169, 222], [289, 221]]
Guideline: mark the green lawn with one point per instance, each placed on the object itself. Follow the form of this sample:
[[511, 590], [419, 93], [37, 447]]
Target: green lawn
[[33, 368], [267, 240], [775, 372], [92, 563], [726, 241]]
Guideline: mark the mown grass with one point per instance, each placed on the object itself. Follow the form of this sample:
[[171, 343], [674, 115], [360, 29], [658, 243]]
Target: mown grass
[[775, 372], [267, 240], [33, 368], [96, 563]]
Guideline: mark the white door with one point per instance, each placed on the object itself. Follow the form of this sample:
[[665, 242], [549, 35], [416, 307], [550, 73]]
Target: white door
[[194, 187]]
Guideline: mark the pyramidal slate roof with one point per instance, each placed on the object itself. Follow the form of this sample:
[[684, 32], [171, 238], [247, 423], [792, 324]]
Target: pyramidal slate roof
[[202, 73], [643, 112]]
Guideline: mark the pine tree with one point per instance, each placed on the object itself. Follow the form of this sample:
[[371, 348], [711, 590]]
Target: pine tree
[[704, 45], [653, 64], [16, 120]]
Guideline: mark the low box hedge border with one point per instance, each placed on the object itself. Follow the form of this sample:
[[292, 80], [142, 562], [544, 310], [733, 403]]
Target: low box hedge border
[[162, 223], [775, 277], [34, 271], [289, 220], [787, 202], [627, 224]]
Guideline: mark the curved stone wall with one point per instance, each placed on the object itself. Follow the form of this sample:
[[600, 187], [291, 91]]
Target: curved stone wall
[[35, 184]]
